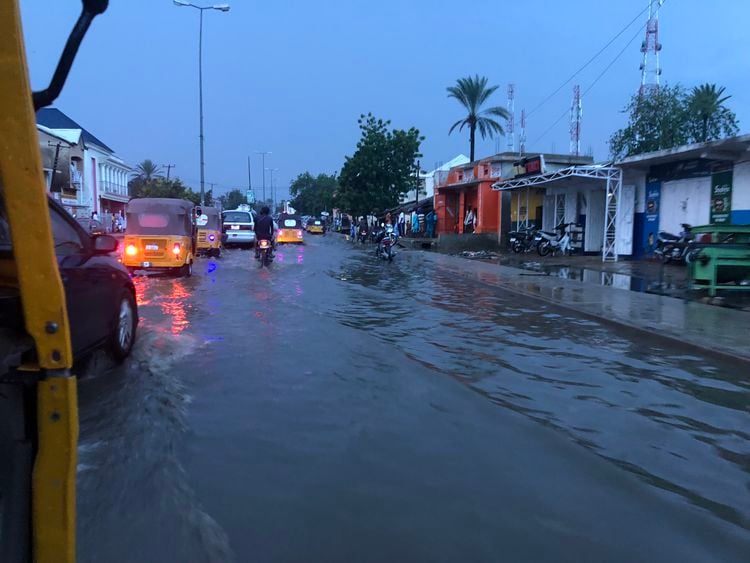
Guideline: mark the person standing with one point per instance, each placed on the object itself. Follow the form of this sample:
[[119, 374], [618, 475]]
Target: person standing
[[414, 223], [469, 222], [430, 221], [401, 223]]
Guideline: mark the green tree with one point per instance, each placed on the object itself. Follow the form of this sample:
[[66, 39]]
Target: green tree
[[655, 122], [708, 117], [382, 168], [232, 199], [313, 194], [161, 187], [472, 93], [148, 170]]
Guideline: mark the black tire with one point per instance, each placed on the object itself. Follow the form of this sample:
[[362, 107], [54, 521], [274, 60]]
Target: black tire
[[518, 247], [187, 270], [122, 338], [543, 248]]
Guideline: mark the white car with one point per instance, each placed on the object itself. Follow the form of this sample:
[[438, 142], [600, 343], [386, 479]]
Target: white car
[[239, 228]]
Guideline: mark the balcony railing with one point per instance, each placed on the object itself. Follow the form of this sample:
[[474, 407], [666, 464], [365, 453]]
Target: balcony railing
[[114, 188]]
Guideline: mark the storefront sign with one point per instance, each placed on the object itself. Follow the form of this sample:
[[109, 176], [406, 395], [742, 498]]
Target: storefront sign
[[721, 198], [529, 166], [651, 216]]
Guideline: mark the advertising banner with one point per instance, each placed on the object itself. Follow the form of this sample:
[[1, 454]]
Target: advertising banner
[[721, 198], [651, 216]]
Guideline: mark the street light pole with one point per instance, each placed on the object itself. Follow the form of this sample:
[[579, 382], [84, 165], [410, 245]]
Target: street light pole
[[263, 157], [201, 9], [273, 191]]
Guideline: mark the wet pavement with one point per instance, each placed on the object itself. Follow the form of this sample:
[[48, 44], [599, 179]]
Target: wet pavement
[[336, 408]]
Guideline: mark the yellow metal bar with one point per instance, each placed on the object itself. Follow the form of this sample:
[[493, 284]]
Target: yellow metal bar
[[43, 299], [54, 503]]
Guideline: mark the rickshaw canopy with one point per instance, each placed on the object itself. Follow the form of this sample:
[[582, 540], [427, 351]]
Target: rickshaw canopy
[[160, 216], [210, 219]]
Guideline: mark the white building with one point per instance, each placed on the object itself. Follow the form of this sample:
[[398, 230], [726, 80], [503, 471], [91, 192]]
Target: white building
[[99, 178], [429, 179]]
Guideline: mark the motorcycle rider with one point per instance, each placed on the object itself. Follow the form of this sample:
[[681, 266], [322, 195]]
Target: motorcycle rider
[[264, 230], [363, 229]]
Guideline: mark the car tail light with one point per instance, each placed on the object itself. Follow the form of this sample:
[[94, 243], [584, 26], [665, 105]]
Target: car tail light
[[212, 237], [176, 248], [131, 250]]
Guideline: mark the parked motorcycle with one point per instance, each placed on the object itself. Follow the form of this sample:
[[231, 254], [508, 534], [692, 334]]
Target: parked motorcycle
[[554, 243], [674, 248], [522, 240], [265, 253], [386, 240]]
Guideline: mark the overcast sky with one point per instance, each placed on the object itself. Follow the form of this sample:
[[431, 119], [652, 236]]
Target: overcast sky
[[292, 76]]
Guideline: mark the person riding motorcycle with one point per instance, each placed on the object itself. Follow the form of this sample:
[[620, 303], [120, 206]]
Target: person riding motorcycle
[[264, 230], [362, 230]]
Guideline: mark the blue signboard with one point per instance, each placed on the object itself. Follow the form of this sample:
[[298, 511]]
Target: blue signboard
[[651, 217], [250, 197]]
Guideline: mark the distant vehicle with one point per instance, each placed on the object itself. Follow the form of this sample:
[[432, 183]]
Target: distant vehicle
[[91, 226], [316, 226], [239, 228], [209, 234], [290, 229], [99, 293]]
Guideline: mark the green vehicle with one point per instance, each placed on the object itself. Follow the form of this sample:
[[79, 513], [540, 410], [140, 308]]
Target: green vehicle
[[721, 258]]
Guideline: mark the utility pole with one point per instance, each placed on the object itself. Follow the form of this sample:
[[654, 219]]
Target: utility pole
[[416, 190], [169, 168], [263, 157], [273, 189]]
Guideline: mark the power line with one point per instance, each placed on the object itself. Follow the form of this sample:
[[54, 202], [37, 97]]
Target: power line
[[592, 59], [599, 77]]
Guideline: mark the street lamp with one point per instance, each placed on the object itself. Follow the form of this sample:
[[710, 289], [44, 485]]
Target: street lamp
[[273, 189], [263, 156], [201, 9]]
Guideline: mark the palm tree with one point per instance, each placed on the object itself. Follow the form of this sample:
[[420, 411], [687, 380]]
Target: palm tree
[[706, 103], [148, 170], [472, 93]]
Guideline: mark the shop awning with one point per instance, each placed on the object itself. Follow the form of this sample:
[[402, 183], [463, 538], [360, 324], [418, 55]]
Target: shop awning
[[603, 176], [115, 197]]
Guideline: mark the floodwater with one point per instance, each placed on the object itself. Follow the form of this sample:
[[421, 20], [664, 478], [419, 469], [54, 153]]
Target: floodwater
[[337, 408]]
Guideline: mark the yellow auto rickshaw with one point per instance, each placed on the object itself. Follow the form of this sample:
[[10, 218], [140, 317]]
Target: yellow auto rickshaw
[[160, 236], [290, 229], [208, 221], [316, 225]]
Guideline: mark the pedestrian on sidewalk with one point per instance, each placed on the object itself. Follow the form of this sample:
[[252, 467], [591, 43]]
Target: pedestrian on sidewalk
[[414, 223], [401, 223], [430, 221], [469, 222]]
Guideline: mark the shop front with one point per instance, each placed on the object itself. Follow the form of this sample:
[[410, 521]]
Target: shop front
[[465, 202]]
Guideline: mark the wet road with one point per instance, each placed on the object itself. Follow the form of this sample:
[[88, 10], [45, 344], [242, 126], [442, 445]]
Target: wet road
[[336, 408]]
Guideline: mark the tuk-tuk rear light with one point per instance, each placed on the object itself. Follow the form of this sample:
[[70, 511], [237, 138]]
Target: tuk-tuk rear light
[[176, 248], [281, 232], [299, 234], [131, 250]]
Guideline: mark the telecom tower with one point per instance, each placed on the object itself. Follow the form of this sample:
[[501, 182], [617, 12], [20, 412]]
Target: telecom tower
[[511, 133], [576, 113], [651, 67], [522, 137]]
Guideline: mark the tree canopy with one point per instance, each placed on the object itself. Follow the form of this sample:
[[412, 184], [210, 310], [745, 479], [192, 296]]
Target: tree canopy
[[161, 187], [671, 117], [313, 194], [472, 93], [232, 199], [381, 170]]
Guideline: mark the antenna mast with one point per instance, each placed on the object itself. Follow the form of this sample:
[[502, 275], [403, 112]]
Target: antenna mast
[[511, 133], [522, 138], [651, 66], [576, 113]]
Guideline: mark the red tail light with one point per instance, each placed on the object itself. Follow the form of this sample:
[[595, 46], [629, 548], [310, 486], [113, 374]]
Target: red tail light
[[264, 244], [176, 248], [299, 234], [131, 250]]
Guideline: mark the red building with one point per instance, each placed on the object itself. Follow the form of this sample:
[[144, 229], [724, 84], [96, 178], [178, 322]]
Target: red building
[[465, 187]]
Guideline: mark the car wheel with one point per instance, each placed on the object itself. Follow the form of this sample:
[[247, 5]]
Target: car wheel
[[126, 322], [187, 270]]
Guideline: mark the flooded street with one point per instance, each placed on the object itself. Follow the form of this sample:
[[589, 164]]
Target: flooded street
[[337, 408]]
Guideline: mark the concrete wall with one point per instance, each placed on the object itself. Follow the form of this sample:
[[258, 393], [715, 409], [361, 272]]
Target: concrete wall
[[451, 243]]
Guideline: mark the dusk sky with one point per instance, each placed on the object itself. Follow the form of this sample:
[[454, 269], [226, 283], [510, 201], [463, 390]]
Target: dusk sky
[[292, 76]]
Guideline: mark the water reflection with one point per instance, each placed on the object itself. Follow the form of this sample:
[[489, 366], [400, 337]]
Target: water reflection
[[678, 421]]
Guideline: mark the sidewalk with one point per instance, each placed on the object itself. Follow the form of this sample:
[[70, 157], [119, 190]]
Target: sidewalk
[[713, 329]]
